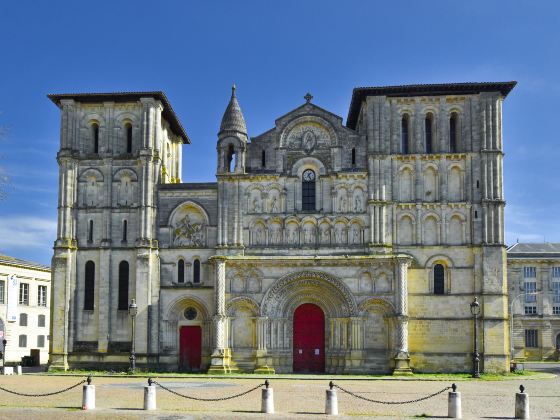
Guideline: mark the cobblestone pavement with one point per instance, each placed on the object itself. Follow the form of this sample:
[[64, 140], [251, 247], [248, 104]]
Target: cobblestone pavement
[[122, 397]]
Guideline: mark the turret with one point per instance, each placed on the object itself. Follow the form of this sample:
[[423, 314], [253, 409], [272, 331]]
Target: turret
[[232, 138]]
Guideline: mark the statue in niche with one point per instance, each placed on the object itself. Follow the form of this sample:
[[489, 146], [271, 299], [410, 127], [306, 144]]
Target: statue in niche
[[336, 236], [273, 205], [358, 204], [355, 235], [292, 238], [276, 234], [342, 205], [308, 235], [256, 205], [325, 235], [258, 236], [189, 233]]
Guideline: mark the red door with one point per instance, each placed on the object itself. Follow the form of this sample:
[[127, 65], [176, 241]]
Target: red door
[[309, 339], [190, 348]]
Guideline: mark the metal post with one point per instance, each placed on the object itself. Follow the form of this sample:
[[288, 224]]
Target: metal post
[[132, 311], [475, 310]]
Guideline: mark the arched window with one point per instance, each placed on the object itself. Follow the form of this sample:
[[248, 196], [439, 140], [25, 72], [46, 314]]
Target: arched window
[[308, 190], [95, 137], [428, 128], [353, 156], [453, 140], [181, 271], [196, 271], [404, 135], [123, 286], [124, 230], [263, 158], [231, 158], [89, 286], [439, 279], [23, 320], [128, 128], [90, 231]]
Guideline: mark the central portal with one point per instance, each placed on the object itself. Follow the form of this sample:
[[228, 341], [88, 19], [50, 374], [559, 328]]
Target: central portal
[[309, 339]]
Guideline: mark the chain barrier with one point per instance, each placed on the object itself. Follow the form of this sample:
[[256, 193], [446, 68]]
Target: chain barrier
[[390, 402], [44, 395], [208, 399]]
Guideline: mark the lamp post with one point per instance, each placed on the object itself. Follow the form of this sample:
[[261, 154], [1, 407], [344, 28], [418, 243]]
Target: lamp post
[[132, 311], [475, 311], [4, 342]]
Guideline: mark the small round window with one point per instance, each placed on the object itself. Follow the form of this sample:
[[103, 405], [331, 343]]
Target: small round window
[[190, 313]]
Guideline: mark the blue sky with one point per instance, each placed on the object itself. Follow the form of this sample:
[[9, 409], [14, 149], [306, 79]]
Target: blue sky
[[275, 51]]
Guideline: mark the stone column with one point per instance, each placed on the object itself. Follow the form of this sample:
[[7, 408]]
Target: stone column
[[221, 357], [264, 363], [402, 359]]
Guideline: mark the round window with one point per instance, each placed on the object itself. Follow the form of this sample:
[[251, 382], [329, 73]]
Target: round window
[[190, 313]]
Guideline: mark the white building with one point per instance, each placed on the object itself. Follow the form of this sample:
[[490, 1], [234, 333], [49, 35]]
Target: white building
[[24, 309]]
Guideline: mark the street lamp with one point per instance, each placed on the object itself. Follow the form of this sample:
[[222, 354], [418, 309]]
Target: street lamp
[[4, 342], [132, 311], [475, 311]]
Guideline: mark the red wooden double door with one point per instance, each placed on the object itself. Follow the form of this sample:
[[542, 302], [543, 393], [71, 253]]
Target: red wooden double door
[[309, 339], [190, 348]]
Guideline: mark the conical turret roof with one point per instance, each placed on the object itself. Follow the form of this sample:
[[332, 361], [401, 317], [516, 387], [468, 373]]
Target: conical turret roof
[[233, 117]]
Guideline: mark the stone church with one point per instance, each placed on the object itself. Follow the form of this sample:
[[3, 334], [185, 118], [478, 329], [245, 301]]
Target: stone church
[[320, 247]]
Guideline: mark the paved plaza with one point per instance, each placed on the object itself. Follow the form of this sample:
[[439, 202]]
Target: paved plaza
[[122, 397]]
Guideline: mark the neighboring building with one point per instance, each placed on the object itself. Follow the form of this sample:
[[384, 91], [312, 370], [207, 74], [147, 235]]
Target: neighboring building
[[321, 247], [534, 292], [24, 309]]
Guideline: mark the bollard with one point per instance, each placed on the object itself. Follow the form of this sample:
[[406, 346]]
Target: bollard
[[267, 405], [88, 396], [331, 403], [454, 410], [150, 396], [18, 370], [521, 404]]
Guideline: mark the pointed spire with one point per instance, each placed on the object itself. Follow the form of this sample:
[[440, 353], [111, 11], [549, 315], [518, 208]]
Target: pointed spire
[[233, 119]]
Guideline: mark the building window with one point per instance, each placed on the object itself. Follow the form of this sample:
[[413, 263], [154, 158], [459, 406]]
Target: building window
[[2, 291], [428, 128], [196, 271], [41, 321], [556, 272], [42, 295], [24, 294], [530, 272], [530, 310], [530, 291], [404, 135], [439, 279], [23, 340], [231, 159], [90, 231], [531, 338], [123, 286], [308, 191], [556, 310], [181, 271], [89, 286], [128, 128], [263, 159], [23, 320], [453, 123], [95, 135], [41, 341], [353, 156], [556, 291], [124, 230]]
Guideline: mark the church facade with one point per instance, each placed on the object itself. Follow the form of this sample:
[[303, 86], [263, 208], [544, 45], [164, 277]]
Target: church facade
[[320, 247]]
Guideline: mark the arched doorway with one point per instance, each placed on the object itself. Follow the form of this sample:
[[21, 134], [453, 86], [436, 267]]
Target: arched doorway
[[190, 348], [309, 339]]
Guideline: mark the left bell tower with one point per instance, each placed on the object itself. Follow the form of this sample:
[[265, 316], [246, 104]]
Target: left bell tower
[[115, 151]]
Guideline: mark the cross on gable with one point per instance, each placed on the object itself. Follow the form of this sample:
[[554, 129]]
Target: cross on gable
[[308, 97]]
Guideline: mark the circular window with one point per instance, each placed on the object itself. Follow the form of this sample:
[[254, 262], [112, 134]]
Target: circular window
[[190, 313]]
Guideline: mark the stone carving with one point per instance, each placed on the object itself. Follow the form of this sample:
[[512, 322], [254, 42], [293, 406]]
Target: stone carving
[[276, 295], [256, 205], [188, 233], [308, 137], [273, 204], [308, 141], [309, 234], [357, 203]]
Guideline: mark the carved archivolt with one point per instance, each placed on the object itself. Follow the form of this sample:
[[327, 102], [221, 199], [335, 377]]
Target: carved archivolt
[[333, 295], [188, 224], [308, 133]]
